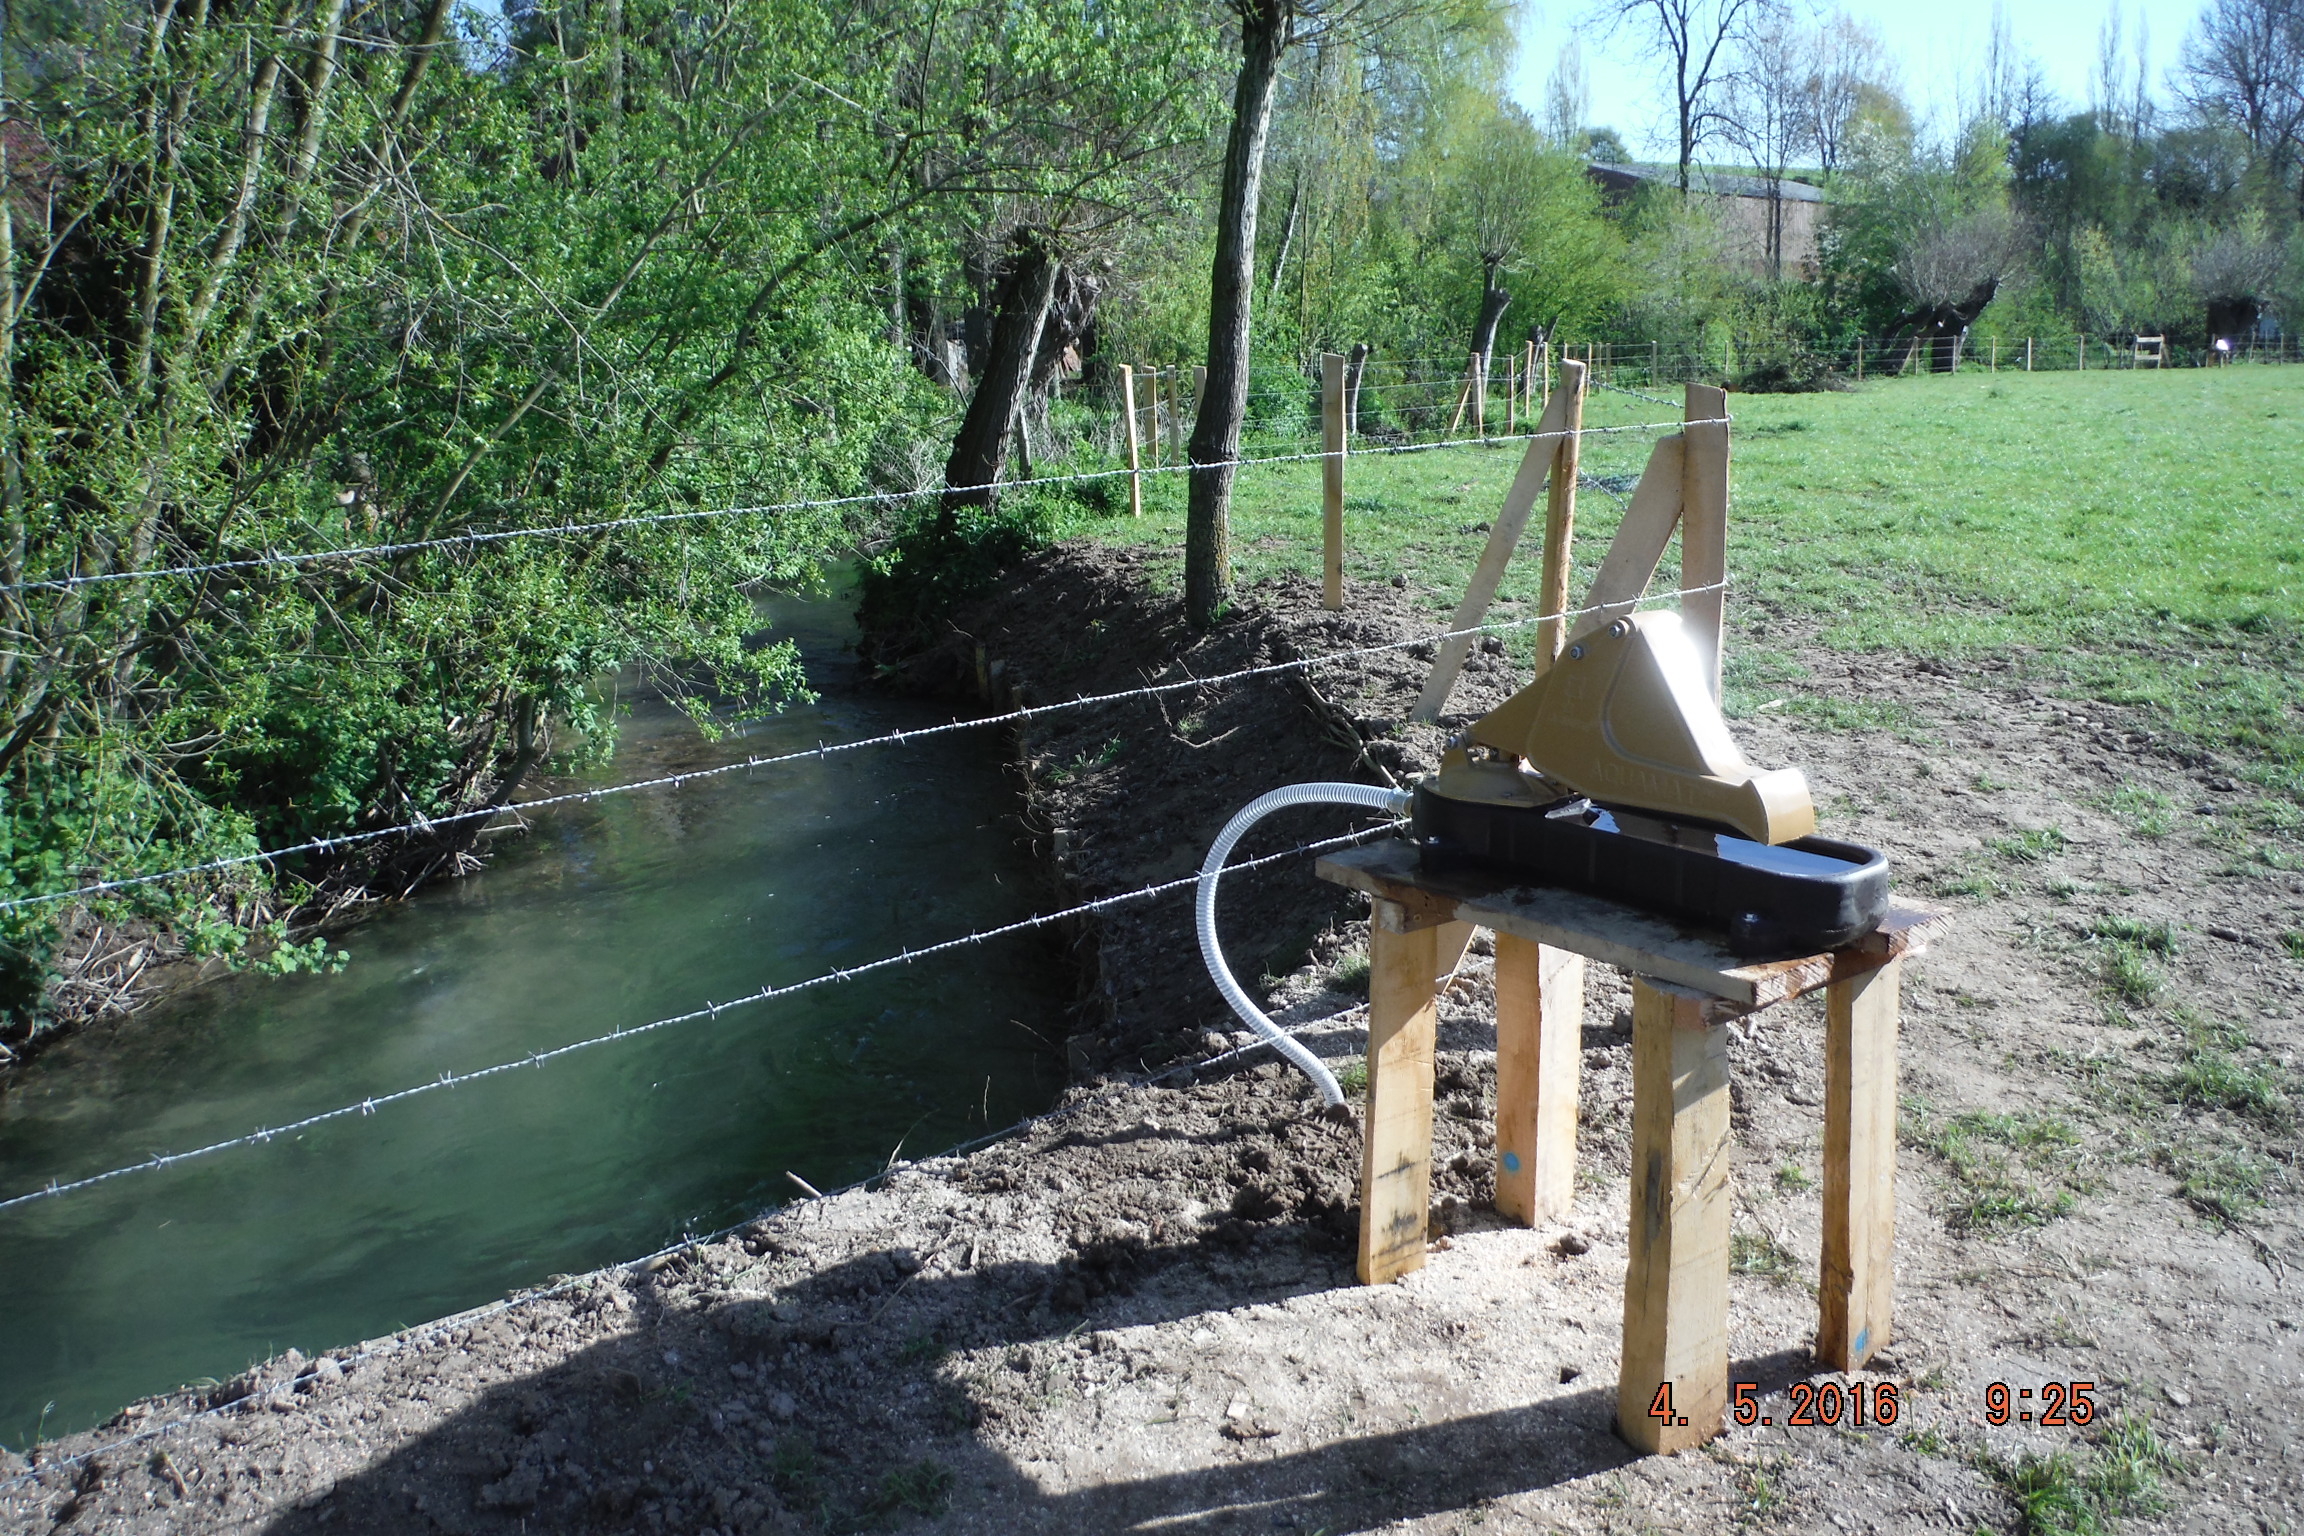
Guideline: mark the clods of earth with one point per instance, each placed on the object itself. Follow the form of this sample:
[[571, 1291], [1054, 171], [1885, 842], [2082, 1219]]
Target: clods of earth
[[1140, 1313]]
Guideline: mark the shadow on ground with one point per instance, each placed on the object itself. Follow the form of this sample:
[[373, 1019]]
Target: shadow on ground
[[839, 1405]]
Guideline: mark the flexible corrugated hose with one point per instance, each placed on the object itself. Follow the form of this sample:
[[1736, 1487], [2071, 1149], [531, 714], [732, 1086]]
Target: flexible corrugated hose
[[1363, 796]]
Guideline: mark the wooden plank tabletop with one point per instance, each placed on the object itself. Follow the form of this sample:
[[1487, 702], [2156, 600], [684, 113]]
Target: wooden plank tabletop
[[1614, 934]]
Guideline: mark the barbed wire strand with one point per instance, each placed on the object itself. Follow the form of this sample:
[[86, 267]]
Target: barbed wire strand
[[609, 525], [369, 1105], [821, 751], [1638, 395], [425, 1333]]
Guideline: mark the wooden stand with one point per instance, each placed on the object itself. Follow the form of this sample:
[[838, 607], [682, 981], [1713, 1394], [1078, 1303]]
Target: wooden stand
[[1686, 987]]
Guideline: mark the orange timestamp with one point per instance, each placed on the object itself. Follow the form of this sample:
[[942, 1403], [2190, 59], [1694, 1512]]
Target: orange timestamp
[[2058, 1405], [1811, 1404]]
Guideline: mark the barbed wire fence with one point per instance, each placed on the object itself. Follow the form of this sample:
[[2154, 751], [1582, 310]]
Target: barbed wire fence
[[367, 1107]]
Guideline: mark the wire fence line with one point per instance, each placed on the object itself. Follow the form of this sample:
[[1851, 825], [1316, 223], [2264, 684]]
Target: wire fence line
[[823, 750], [711, 1010], [481, 538], [425, 1333]]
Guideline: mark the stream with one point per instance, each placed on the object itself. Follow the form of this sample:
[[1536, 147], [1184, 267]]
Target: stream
[[607, 914]]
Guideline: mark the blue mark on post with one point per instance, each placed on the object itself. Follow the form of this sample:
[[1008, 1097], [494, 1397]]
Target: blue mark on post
[[1862, 1339], [1511, 1162]]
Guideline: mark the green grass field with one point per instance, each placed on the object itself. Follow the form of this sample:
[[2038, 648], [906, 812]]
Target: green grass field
[[2136, 538]]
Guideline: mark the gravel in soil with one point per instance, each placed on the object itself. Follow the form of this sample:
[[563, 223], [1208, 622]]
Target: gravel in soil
[[1140, 1314]]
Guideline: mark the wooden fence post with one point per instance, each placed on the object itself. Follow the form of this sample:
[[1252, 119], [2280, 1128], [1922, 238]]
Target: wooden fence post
[[1547, 375], [1704, 524], [1528, 379], [1556, 428], [1559, 538], [1332, 481], [2027, 354], [1859, 359], [1995, 354], [1135, 464], [1512, 394], [2083, 352]]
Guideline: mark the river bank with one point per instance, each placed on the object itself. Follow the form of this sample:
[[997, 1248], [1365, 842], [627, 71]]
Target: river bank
[[589, 919], [1139, 1313]]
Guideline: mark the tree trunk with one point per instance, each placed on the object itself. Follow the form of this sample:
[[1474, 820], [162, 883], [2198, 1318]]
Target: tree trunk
[[1264, 28], [898, 330], [981, 447], [612, 37], [1493, 301], [1287, 236]]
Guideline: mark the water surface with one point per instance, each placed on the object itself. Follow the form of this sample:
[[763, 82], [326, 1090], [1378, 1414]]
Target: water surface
[[609, 914]]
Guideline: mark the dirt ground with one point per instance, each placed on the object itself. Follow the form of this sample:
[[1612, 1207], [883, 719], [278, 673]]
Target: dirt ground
[[1140, 1315]]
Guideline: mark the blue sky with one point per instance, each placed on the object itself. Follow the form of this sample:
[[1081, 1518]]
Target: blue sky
[[1936, 44]]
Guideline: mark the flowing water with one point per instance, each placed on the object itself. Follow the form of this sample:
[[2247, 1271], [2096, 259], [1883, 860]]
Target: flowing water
[[608, 914]]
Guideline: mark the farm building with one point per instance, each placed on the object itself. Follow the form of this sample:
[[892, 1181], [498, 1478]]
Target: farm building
[[1747, 207]]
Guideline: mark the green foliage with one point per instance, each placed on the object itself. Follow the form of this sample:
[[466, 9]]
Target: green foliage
[[940, 560], [2030, 845], [539, 276], [922, 1487], [2008, 1169], [1350, 972], [2065, 1493], [2224, 1184]]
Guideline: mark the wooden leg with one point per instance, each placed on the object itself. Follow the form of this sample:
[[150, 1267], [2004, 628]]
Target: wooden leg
[[1857, 1293], [1396, 1165], [1539, 1044], [1676, 1281]]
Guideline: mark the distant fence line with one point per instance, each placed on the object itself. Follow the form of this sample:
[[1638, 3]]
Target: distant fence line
[[1425, 399]]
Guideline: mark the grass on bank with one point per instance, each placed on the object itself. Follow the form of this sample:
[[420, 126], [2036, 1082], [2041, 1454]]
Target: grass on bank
[[2136, 538]]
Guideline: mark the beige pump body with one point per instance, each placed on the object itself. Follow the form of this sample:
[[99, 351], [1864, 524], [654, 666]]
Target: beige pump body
[[1627, 718]]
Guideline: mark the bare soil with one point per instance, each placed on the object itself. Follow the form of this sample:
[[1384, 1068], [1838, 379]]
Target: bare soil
[[1140, 1314]]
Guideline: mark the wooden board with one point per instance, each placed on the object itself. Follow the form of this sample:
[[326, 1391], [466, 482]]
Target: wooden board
[[1639, 543], [1503, 537], [1539, 1064], [1396, 1157], [1676, 1272], [1614, 934], [1704, 524], [1856, 1294]]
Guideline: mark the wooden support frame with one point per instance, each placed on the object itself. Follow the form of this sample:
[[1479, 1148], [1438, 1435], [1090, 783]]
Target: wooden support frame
[[1676, 1280], [1404, 962], [1539, 466], [1539, 1073], [1332, 451], [1641, 537], [1559, 536], [1135, 449], [1856, 1290], [1704, 524], [1676, 1275]]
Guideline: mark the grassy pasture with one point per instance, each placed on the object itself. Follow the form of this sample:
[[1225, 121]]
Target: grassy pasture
[[2133, 537]]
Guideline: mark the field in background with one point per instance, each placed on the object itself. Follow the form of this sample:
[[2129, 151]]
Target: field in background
[[2131, 537]]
